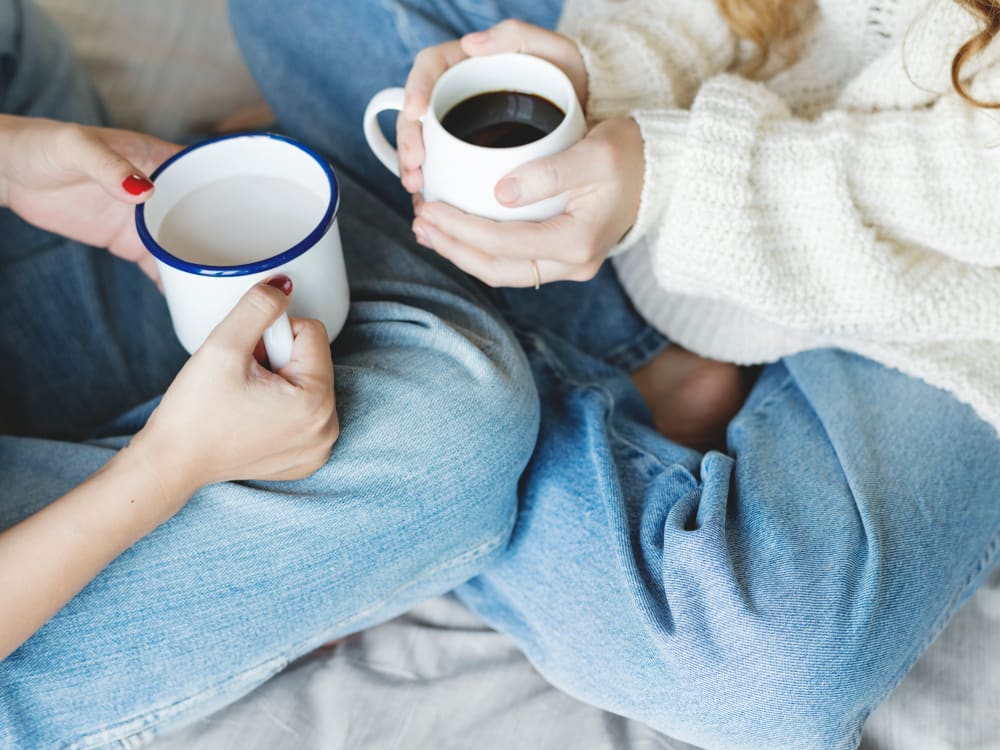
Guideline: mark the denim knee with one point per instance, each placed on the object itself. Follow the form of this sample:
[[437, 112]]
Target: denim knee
[[480, 433], [439, 416]]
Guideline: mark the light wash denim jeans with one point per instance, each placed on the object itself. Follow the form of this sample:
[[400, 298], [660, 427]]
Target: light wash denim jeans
[[769, 597], [438, 412]]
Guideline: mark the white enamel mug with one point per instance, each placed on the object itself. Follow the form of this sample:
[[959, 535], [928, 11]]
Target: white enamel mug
[[199, 295], [463, 174]]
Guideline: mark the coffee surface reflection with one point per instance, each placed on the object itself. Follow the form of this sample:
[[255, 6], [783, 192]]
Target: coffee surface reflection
[[502, 119]]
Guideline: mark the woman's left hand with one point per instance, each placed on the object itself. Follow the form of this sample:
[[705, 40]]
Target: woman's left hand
[[603, 174], [80, 182]]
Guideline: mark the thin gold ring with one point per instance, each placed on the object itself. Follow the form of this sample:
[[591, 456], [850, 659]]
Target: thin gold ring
[[537, 274]]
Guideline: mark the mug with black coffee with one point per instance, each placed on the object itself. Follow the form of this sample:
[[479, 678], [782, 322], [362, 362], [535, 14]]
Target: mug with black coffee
[[487, 116]]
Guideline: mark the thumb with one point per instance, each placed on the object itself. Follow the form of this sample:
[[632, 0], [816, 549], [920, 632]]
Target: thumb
[[240, 331], [546, 177], [119, 177]]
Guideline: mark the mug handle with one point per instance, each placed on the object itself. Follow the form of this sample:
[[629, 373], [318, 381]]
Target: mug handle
[[379, 144], [278, 342]]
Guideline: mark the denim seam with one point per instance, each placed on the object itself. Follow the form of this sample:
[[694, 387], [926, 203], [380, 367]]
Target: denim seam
[[605, 395], [984, 562], [628, 356], [778, 391], [171, 710], [569, 379], [637, 351]]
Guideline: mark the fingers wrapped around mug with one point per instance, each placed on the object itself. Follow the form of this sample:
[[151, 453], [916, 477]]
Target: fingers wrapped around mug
[[514, 35], [428, 66], [431, 63], [603, 177]]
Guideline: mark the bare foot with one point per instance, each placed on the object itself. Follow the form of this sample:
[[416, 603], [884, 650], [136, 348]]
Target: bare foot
[[692, 399]]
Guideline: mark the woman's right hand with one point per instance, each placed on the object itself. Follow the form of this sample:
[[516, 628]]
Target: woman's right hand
[[226, 417], [430, 63]]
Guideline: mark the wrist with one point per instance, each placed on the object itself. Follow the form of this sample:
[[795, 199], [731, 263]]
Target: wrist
[[170, 478], [6, 136], [659, 137]]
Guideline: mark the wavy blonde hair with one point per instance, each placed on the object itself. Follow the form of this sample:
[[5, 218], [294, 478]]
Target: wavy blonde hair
[[765, 22]]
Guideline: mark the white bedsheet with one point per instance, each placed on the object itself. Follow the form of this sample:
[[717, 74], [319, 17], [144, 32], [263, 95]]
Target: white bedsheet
[[436, 678]]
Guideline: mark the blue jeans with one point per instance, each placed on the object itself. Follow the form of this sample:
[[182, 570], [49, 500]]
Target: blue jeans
[[439, 416], [766, 597]]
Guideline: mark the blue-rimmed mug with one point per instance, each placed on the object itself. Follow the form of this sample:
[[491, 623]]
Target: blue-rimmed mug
[[246, 181]]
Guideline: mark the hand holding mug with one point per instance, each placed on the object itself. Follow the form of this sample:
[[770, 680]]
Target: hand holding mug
[[603, 177], [226, 417], [598, 180], [431, 63], [238, 209], [485, 116], [80, 182]]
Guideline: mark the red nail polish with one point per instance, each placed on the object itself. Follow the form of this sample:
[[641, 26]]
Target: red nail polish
[[281, 282], [136, 185]]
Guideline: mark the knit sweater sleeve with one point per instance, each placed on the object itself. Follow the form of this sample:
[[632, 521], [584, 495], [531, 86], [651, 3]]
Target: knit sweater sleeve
[[880, 226], [648, 53]]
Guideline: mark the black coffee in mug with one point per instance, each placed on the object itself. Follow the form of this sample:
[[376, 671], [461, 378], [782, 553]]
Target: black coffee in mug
[[502, 119]]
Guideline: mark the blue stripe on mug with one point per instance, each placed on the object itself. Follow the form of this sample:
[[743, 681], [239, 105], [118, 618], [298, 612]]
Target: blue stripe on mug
[[162, 254]]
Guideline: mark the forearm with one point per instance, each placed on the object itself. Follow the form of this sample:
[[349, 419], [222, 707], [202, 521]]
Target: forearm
[[7, 123], [869, 226], [49, 557]]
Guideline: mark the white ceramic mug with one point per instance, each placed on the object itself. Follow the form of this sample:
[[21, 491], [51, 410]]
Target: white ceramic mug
[[244, 178], [464, 174]]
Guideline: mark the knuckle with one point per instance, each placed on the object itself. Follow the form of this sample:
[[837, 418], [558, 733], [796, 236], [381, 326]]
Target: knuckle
[[215, 353], [426, 56], [71, 133], [491, 279], [568, 45], [494, 274], [592, 250], [333, 431], [586, 272], [319, 459], [317, 327], [325, 407], [584, 248], [603, 155], [71, 139], [551, 177], [511, 26], [264, 299], [581, 254]]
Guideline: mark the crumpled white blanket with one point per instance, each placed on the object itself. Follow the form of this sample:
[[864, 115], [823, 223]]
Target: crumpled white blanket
[[438, 678]]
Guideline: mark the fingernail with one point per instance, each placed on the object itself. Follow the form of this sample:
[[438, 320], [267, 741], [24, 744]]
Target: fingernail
[[136, 184], [508, 191], [478, 37], [281, 282]]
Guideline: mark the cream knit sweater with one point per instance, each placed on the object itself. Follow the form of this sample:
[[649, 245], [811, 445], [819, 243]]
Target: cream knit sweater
[[850, 200]]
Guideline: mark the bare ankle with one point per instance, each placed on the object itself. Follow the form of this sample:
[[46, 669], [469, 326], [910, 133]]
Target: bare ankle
[[692, 399]]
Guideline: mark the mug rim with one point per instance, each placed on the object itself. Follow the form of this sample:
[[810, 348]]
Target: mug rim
[[574, 103], [258, 266]]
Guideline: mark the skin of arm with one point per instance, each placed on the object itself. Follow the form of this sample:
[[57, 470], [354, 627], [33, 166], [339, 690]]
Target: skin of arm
[[224, 417], [52, 555]]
